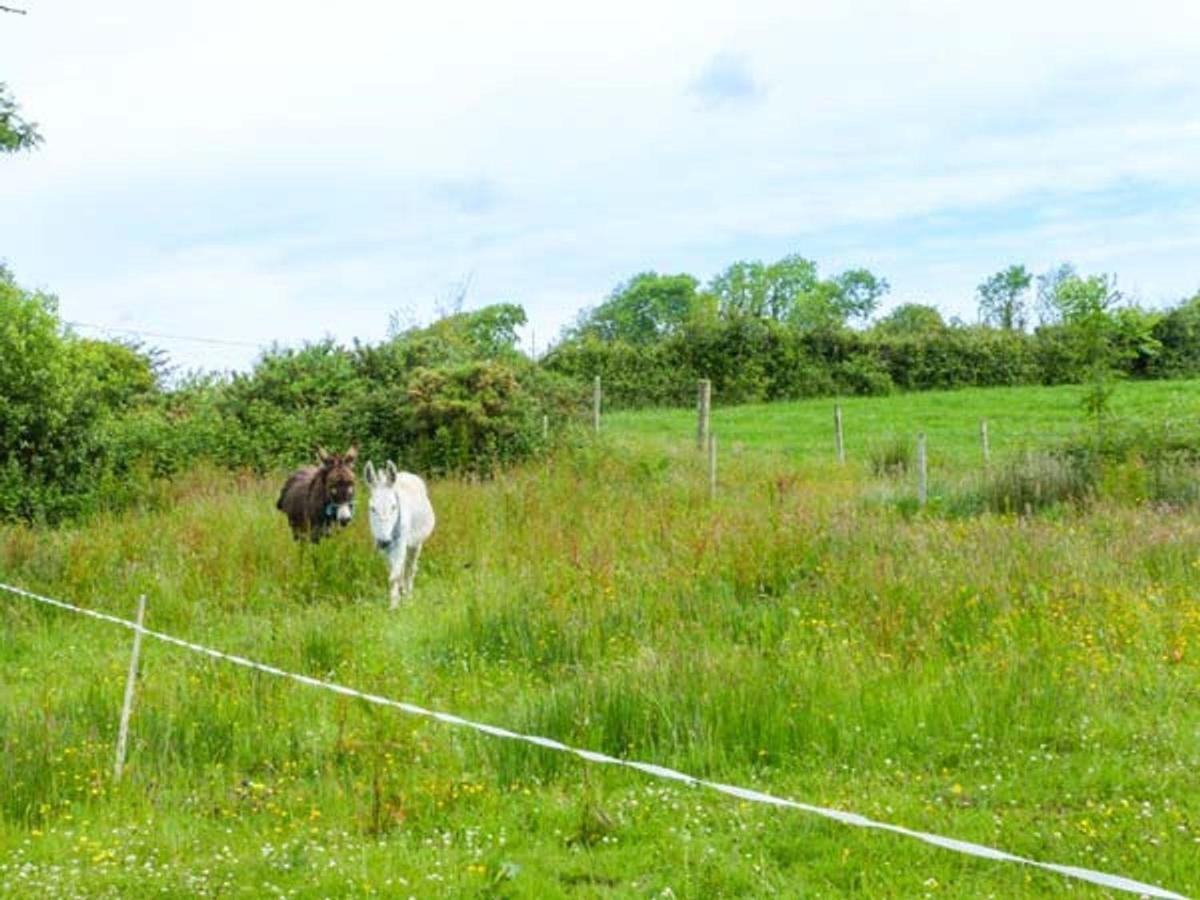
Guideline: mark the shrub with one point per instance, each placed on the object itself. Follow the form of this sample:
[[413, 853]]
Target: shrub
[[58, 391], [474, 417], [1178, 337]]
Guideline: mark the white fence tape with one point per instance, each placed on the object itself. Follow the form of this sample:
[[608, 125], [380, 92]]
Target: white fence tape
[[1116, 882]]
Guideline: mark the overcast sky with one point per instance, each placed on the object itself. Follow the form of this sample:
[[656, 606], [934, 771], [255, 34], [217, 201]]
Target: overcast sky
[[277, 171]]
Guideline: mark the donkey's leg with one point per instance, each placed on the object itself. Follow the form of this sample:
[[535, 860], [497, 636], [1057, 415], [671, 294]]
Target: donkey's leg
[[412, 567], [396, 575]]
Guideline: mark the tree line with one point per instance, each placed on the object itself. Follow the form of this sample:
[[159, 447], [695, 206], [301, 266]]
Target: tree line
[[775, 331]]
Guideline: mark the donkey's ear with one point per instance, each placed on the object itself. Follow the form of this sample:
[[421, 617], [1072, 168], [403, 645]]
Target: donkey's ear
[[392, 472], [323, 456], [369, 473], [350, 455]]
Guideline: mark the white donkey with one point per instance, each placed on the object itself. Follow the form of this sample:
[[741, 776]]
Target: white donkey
[[401, 521]]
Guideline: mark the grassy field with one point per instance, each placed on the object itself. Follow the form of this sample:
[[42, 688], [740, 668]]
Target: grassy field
[[1030, 683], [1018, 418]]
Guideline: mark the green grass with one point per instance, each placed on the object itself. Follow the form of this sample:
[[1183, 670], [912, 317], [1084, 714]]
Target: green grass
[[1030, 683], [1019, 419]]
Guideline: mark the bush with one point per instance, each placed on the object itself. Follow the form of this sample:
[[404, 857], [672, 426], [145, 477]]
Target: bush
[[84, 424], [1178, 337], [59, 391], [475, 417]]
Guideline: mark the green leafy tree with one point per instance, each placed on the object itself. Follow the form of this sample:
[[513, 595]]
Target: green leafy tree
[[910, 320], [785, 285], [15, 133], [57, 394], [790, 290], [642, 310], [1086, 303], [1002, 298], [1086, 307], [859, 293], [1178, 337], [1048, 283], [741, 291]]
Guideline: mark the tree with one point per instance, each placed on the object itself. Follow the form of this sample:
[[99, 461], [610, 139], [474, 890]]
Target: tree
[[786, 282], [910, 320], [859, 292], [790, 290], [1048, 284], [15, 133], [59, 391], [741, 291], [1178, 336], [643, 309], [1085, 306], [1085, 302], [1002, 298]]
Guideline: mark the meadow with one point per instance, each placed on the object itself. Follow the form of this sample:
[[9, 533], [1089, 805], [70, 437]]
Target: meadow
[[1028, 682]]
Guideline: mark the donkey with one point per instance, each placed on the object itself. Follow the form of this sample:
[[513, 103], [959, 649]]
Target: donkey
[[401, 521], [315, 497]]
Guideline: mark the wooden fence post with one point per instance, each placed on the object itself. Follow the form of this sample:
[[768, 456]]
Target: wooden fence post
[[837, 433], [922, 471], [596, 404], [983, 441], [130, 681], [712, 465], [703, 409]]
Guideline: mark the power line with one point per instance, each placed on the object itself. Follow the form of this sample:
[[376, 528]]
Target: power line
[[168, 337]]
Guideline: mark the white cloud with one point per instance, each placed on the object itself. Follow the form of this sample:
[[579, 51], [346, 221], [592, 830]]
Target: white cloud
[[726, 80]]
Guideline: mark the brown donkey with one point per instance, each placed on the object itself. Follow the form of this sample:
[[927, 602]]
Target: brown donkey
[[314, 497]]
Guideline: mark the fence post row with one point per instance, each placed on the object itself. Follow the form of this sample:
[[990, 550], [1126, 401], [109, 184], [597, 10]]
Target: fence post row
[[703, 410], [130, 681]]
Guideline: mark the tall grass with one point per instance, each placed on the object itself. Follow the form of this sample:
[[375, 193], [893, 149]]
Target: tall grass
[[1029, 683]]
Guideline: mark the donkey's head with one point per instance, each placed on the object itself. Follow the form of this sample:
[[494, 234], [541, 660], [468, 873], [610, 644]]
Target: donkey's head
[[337, 472], [384, 504]]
